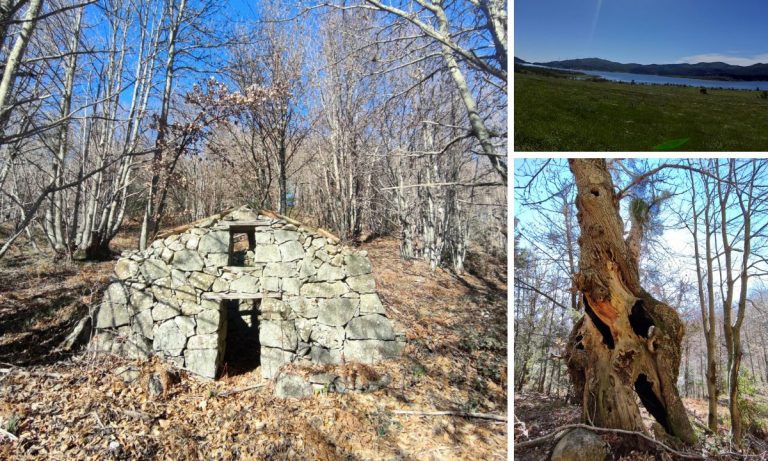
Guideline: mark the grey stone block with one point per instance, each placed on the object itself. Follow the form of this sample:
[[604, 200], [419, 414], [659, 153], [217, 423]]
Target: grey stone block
[[210, 341], [271, 284], [337, 311], [291, 251], [201, 280], [112, 315], [372, 326], [143, 323], [371, 304], [192, 241], [291, 286], [154, 269], [217, 260], [327, 336], [263, 238], [245, 284], [267, 254], [169, 338], [357, 265], [186, 325], [324, 289], [272, 359], [125, 269], [188, 260], [136, 347], [186, 293], [362, 283], [208, 321], [203, 362], [190, 308], [116, 294], [285, 235], [281, 334], [166, 296], [292, 386], [214, 242], [280, 270], [178, 278], [163, 311], [330, 273], [323, 356], [304, 328], [371, 350]]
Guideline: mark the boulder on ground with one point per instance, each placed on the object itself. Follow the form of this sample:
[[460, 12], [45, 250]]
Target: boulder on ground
[[292, 386], [580, 445]]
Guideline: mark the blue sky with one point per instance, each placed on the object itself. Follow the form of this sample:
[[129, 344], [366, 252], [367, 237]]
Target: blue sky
[[643, 31], [674, 242]]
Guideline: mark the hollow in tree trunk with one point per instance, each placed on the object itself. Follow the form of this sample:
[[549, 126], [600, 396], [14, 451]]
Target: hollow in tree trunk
[[628, 345]]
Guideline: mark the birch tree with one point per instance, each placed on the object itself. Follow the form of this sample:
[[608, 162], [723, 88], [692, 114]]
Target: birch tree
[[460, 33]]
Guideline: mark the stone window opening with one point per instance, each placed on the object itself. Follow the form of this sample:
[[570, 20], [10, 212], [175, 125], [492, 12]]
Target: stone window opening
[[241, 246], [241, 342]]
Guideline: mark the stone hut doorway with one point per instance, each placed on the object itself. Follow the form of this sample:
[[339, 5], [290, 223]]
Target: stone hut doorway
[[242, 349]]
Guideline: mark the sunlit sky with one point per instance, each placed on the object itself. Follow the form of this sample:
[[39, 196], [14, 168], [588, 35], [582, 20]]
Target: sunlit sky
[[677, 254], [645, 32]]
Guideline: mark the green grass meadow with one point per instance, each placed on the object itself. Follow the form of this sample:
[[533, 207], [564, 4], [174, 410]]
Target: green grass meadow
[[561, 114]]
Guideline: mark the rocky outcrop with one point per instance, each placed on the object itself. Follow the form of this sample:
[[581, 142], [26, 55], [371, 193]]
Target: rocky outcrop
[[318, 301]]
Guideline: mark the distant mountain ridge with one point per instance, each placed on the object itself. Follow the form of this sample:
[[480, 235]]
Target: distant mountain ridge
[[713, 70]]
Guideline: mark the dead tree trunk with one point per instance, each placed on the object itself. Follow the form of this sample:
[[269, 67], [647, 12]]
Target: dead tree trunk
[[628, 344]]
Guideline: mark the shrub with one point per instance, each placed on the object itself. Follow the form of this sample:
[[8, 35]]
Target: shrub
[[754, 412]]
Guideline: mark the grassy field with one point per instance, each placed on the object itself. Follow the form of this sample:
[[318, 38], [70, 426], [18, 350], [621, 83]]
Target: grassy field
[[559, 114]]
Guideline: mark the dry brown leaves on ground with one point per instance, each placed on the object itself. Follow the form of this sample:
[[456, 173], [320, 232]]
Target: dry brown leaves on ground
[[78, 408]]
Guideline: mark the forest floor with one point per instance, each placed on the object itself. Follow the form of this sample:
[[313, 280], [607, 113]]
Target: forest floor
[[75, 406], [537, 415]]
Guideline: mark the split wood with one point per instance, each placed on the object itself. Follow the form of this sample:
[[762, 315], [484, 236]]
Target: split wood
[[451, 413]]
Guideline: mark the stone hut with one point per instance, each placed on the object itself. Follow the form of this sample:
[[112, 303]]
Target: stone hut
[[247, 289]]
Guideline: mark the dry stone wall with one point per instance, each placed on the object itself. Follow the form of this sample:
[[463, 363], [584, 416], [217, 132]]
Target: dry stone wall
[[318, 300]]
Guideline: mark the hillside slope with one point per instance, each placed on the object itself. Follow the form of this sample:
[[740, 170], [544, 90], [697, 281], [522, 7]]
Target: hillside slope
[[714, 70], [75, 406]]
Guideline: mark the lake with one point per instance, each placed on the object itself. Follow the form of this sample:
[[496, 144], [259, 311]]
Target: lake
[[664, 80]]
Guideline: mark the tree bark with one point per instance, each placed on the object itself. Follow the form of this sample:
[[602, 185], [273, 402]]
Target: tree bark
[[706, 304], [14, 60], [629, 344]]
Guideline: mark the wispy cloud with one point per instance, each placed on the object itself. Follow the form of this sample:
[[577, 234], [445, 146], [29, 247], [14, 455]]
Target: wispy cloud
[[728, 59]]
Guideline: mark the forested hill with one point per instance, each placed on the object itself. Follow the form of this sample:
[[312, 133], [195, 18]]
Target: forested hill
[[715, 70]]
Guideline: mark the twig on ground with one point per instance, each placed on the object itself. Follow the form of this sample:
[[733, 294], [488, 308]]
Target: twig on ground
[[435, 450], [98, 420], [40, 374], [744, 455], [237, 391], [138, 415], [7, 434], [560, 431], [451, 413]]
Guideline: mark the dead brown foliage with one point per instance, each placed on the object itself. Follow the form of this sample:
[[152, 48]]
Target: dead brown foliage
[[77, 408]]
